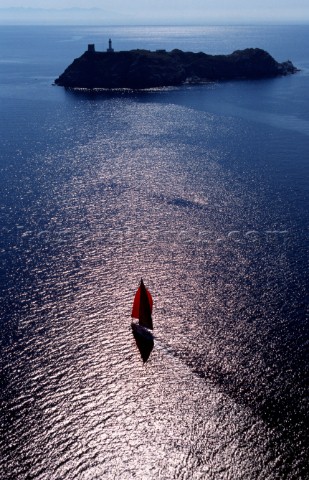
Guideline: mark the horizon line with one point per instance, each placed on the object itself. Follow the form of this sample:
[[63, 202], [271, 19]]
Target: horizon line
[[236, 24]]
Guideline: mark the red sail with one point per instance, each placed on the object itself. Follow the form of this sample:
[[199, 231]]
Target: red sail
[[137, 300]]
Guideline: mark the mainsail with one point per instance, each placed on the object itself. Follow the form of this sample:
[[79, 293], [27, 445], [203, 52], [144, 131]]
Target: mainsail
[[142, 306]]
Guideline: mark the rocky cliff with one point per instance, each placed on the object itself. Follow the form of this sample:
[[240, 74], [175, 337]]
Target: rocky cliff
[[138, 69]]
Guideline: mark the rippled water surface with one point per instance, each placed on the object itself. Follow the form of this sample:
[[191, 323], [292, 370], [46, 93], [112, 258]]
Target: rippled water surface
[[202, 192]]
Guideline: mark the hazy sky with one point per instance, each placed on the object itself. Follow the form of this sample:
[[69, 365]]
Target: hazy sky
[[150, 12]]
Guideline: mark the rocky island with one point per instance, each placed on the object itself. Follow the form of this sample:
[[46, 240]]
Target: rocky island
[[140, 69]]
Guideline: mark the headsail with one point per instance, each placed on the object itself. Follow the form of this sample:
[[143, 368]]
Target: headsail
[[142, 306]]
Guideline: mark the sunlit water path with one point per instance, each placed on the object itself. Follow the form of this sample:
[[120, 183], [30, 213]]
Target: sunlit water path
[[202, 192]]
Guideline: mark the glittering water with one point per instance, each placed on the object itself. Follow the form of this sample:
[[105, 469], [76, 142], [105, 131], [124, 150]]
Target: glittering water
[[203, 192]]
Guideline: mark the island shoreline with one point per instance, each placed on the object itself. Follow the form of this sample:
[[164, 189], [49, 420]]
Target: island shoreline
[[145, 69]]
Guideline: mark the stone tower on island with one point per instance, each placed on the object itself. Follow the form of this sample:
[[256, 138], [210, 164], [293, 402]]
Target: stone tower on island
[[110, 48]]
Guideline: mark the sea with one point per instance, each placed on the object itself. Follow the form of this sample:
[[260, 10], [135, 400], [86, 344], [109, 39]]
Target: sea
[[202, 191]]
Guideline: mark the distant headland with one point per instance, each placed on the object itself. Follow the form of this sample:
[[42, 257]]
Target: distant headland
[[141, 69]]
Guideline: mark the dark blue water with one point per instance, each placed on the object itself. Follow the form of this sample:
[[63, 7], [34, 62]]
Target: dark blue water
[[201, 190]]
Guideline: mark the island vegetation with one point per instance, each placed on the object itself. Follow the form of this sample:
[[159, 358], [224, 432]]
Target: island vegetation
[[141, 69]]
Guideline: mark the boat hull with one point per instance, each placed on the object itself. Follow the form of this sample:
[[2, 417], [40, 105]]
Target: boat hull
[[141, 332]]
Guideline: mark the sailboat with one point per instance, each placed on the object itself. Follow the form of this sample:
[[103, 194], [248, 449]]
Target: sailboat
[[141, 310]]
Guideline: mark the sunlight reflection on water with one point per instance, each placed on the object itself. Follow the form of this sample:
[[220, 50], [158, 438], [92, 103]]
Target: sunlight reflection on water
[[134, 197]]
